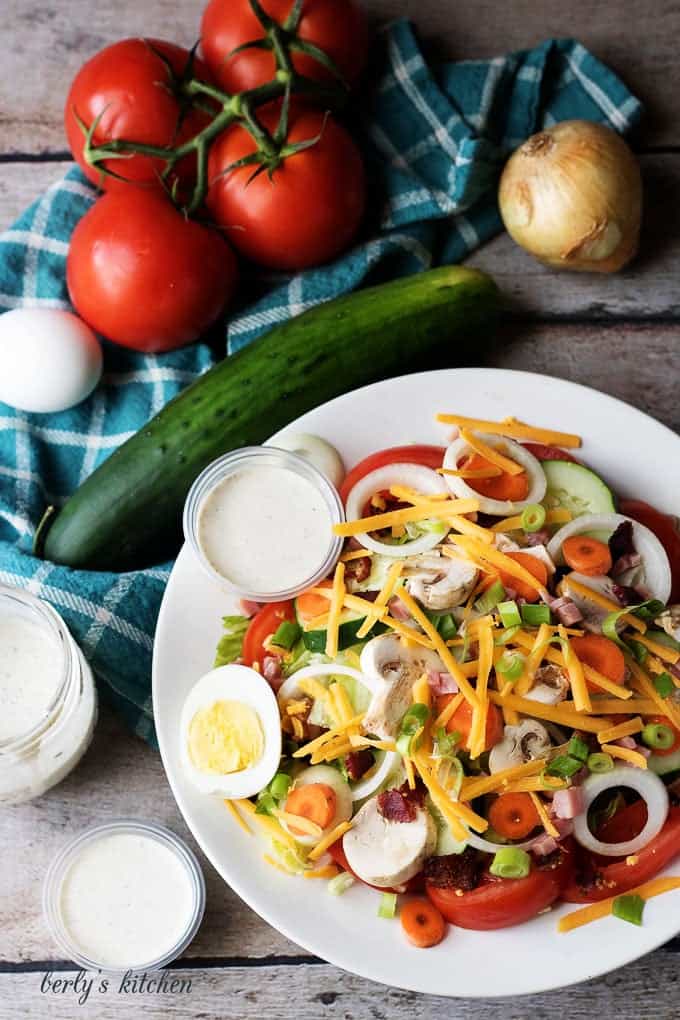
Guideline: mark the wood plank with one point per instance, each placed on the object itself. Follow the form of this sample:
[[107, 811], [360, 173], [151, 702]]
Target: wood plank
[[50, 41], [119, 777], [647, 290], [308, 991]]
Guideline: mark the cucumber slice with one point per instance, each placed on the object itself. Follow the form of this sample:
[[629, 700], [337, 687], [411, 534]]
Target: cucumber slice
[[575, 488], [662, 764], [315, 640], [446, 842]]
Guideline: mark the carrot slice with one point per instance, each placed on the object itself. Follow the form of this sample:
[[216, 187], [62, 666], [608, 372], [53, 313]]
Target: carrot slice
[[461, 721], [513, 815], [423, 925], [310, 605], [500, 486], [316, 802], [587, 555], [535, 567], [602, 655]]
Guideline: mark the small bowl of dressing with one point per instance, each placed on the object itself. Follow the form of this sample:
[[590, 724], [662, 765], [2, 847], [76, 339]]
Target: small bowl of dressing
[[126, 895], [260, 520]]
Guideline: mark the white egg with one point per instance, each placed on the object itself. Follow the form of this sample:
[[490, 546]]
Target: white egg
[[244, 685], [343, 798], [50, 360]]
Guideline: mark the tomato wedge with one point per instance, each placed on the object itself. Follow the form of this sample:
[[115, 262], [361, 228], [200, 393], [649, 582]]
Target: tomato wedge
[[503, 902], [543, 452], [618, 877], [667, 530], [263, 625], [428, 456]]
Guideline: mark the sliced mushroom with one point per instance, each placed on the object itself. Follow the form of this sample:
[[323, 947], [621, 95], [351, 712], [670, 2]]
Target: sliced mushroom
[[670, 621], [439, 582], [551, 685], [521, 743], [387, 659]]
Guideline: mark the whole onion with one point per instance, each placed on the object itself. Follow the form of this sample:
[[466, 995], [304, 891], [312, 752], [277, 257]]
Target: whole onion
[[572, 196]]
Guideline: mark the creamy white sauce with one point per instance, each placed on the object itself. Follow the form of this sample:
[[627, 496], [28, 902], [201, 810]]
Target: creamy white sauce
[[126, 900], [265, 529], [31, 666]]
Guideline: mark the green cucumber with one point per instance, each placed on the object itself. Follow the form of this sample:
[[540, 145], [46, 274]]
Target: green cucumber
[[663, 764], [128, 513], [576, 488], [315, 640]]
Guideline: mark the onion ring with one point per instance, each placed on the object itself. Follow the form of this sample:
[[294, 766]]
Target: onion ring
[[498, 507], [644, 782]]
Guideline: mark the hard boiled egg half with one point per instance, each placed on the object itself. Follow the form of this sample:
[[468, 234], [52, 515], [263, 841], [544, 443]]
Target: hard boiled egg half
[[230, 733]]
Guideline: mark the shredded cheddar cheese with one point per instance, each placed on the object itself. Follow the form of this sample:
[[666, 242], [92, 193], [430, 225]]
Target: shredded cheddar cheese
[[238, 818], [604, 603], [335, 610], [304, 825], [490, 453], [409, 515], [513, 429], [626, 754], [329, 735], [448, 711], [329, 871], [515, 523], [661, 651], [384, 596], [498, 560], [473, 788], [553, 713], [549, 827], [624, 729], [603, 908], [328, 840]]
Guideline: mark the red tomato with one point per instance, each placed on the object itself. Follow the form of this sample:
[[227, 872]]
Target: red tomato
[[428, 456], [263, 625], [543, 452], [338, 27], [131, 87], [666, 529], [145, 276], [618, 877], [503, 902], [310, 209]]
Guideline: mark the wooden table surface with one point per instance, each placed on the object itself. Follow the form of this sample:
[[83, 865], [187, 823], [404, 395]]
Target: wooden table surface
[[619, 334]]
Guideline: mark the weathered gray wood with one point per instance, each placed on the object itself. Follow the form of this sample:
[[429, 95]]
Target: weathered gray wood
[[119, 777], [647, 290], [50, 40], [647, 988]]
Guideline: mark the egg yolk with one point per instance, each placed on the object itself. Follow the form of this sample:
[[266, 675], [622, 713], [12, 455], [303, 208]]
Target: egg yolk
[[225, 737]]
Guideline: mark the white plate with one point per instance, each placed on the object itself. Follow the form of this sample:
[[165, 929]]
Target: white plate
[[627, 448]]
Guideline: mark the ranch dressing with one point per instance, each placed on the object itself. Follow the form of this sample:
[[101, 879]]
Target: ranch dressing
[[31, 670], [265, 528], [126, 900]]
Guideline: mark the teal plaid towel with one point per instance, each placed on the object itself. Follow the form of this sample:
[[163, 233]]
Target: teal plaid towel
[[435, 141]]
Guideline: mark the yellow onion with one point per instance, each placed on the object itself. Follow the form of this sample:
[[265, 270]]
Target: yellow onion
[[572, 197]]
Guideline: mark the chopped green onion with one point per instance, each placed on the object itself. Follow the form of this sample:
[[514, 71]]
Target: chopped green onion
[[639, 651], [658, 737], [286, 635], [506, 636], [664, 685], [415, 717], [511, 665], [280, 785], [445, 743], [578, 749], [564, 766], [609, 627], [599, 762], [388, 905], [534, 616], [549, 782], [491, 597], [444, 624], [509, 614], [403, 744], [648, 610], [629, 908], [510, 862], [341, 883], [533, 518], [266, 805]]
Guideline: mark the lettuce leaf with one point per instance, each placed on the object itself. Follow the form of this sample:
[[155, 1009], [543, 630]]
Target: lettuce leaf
[[230, 646]]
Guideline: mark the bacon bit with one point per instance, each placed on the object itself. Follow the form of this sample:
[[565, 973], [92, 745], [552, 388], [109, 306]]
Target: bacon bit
[[461, 872], [441, 683], [357, 763], [359, 569], [395, 807], [249, 608], [415, 795], [544, 845]]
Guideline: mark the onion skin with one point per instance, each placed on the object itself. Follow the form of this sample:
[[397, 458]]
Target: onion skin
[[572, 197]]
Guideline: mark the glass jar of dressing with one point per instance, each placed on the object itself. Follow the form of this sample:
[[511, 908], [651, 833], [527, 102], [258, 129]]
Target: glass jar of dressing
[[48, 701], [260, 520]]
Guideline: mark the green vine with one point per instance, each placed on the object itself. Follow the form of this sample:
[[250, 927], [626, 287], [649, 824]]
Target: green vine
[[283, 41]]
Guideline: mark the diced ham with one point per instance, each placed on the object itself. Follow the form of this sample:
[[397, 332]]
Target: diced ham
[[544, 845], [249, 608], [568, 803], [441, 683], [271, 671], [625, 563], [566, 611], [646, 752], [628, 742], [399, 610], [564, 826], [541, 537]]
